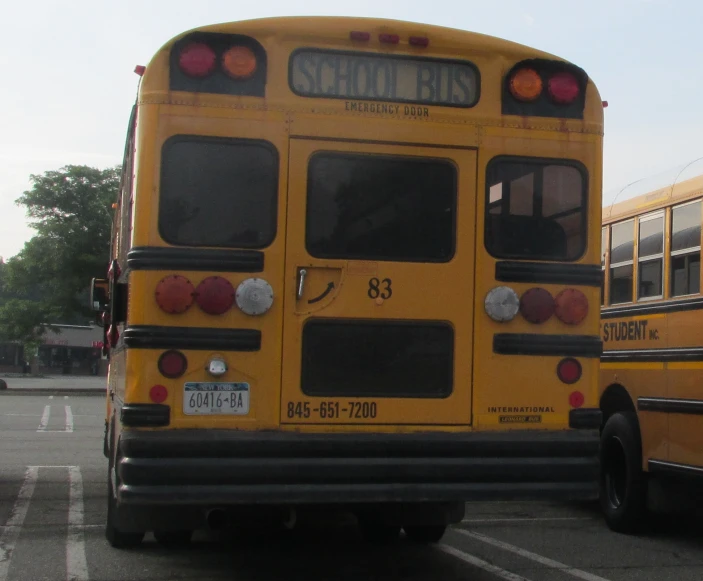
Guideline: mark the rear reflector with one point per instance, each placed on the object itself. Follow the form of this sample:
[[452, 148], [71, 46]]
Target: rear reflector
[[576, 399], [158, 393]]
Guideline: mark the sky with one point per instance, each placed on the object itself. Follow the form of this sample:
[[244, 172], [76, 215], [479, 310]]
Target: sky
[[68, 82]]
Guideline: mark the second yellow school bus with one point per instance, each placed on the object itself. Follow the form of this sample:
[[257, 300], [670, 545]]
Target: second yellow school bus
[[652, 364], [354, 263]]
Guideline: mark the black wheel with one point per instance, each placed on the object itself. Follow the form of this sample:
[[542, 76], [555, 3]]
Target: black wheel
[[173, 538], [117, 538], [425, 533], [379, 533], [623, 484]]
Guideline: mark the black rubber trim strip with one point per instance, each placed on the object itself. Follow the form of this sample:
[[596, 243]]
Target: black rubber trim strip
[[145, 415], [670, 405], [675, 468], [674, 306], [653, 355], [156, 258], [585, 419], [538, 272], [532, 344], [153, 337]]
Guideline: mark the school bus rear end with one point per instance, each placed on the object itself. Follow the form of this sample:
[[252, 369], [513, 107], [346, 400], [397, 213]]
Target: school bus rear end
[[334, 299]]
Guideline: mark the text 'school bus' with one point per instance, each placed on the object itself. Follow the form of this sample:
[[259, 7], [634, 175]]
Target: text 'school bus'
[[652, 363], [354, 262]]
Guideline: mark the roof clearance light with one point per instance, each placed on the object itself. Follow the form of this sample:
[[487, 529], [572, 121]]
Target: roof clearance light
[[563, 88], [502, 304], [571, 306], [254, 296], [525, 85], [174, 294], [537, 305], [214, 295], [239, 62], [389, 38], [197, 60], [422, 41], [359, 35]]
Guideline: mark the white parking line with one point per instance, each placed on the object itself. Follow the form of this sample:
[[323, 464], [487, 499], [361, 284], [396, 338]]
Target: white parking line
[[76, 566], [585, 575], [69, 419], [9, 536], [481, 564], [44, 422]]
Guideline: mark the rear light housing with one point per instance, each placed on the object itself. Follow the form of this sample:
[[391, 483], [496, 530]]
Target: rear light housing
[[571, 306], [174, 294], [215, 295], [545, 88], [172, 364], [536, 305], [226, 64], [569, 370]]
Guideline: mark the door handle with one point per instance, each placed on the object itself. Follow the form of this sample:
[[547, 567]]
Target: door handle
[[301, 282]]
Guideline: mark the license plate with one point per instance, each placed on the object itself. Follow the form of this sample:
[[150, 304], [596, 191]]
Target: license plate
[[209, 398]]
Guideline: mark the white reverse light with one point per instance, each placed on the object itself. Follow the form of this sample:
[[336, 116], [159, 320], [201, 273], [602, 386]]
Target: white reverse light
[[254, 296], [502, 304]]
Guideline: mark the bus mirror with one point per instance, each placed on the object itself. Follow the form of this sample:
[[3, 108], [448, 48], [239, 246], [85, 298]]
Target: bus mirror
[[98, 295]]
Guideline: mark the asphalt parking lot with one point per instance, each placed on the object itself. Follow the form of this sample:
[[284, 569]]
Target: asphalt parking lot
[[52, 511]]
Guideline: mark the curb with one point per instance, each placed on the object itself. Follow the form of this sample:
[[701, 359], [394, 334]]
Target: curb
[[51, 391]]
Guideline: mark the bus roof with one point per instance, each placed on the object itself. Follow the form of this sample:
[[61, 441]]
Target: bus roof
[[678, 184]]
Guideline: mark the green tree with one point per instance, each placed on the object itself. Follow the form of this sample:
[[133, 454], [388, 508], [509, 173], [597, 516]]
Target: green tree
[[47, 281]]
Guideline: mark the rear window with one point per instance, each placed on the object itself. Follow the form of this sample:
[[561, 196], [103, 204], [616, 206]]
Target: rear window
[[218, 192], [535, 209], [381, 207]]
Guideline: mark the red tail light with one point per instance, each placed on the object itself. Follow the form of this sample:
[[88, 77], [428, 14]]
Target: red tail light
[[563, 88], [571, 306], [172, 364], [197, 60], [215, 295], [158, 393], [174, 294], [569, 370], [576, 399], [537, 305]]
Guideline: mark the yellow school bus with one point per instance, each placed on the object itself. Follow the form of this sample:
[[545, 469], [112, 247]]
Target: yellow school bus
[[354, 266], [652, 363]]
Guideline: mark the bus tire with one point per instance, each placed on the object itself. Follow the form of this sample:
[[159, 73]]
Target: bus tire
[[425, 533], [118, 539], [173, 538], [623, 483]]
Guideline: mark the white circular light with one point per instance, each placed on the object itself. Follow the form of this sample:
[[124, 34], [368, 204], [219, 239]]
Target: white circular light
[[502, 304], [254, 296]]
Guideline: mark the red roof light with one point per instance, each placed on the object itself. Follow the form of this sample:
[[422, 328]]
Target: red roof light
[[197, 60], [563, 88], [422, 41], [359, 35], [389, 38]]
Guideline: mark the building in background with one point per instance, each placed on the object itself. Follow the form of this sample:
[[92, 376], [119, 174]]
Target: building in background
[[74, 350]]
